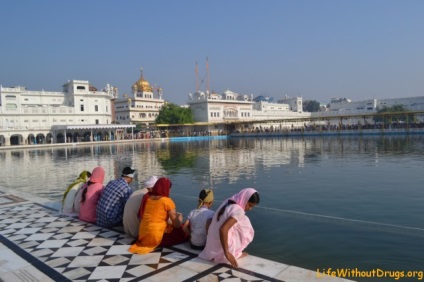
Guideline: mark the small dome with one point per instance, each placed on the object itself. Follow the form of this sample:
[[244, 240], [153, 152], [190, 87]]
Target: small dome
[[142, 85], [92, 88]]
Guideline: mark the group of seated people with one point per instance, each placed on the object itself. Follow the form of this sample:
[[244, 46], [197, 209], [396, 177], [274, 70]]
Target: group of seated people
[[150, 216]]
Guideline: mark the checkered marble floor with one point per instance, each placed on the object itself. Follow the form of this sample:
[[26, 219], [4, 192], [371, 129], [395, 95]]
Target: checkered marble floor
[[40, 244]]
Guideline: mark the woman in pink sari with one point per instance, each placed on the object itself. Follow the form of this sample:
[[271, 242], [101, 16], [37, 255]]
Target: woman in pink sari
[[91, 194], [231, 231]]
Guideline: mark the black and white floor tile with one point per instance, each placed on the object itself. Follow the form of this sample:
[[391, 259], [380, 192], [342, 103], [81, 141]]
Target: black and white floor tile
[[66, 249]]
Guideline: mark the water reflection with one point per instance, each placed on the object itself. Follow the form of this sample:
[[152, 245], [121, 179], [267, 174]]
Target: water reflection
[[318, 195], [216, 161], [180, 156]]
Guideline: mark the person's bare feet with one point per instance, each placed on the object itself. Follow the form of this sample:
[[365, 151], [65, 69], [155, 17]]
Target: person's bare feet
[[243, 254]]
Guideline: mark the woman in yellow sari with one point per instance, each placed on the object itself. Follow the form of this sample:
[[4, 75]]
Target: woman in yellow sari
[[155, 230]]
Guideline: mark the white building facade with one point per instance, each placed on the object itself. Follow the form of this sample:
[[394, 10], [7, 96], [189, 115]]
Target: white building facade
[[27, 117], [373, 105], [347, 107], [217, 110]]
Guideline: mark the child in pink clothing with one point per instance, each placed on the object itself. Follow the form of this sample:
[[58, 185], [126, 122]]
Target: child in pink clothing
[[91, 194]]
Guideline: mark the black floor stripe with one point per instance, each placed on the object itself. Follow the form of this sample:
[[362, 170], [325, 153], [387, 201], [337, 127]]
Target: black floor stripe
[[42, 267], [223, 265], [49, 271], [57, 276]]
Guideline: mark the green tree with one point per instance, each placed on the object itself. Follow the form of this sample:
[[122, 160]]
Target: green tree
[[311, 106], [396, 113], [174, 114]]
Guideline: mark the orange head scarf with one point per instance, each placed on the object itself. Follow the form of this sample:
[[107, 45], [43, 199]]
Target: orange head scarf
[[162, 188]]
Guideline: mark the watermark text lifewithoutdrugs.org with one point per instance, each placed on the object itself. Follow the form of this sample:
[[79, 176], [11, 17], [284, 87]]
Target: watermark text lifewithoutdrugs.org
[[373, 273]]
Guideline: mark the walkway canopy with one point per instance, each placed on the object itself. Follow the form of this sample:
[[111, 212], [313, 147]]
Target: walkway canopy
[[93, 126], [112, 129]]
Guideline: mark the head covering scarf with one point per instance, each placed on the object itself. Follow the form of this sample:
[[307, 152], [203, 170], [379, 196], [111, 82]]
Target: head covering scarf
[[150, 182], [207, 199], [242, 197], [98, 175], [161, 188], [82, 178]]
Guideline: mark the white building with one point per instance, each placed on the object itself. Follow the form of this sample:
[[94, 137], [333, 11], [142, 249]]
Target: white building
[[231, 106], [373, 105], [29, 117], [142, 106], [217, 110], [347, 107]]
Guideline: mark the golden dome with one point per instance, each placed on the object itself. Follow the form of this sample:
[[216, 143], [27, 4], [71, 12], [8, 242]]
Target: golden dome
[[142, 85]]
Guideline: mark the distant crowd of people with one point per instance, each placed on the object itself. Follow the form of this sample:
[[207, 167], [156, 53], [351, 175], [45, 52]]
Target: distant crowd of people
[[320, 127], [150, 215], [145, 135], [393, 125], [170, 133]]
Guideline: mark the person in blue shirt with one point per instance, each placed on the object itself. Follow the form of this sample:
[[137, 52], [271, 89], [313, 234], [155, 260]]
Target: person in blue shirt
[[110, 208]]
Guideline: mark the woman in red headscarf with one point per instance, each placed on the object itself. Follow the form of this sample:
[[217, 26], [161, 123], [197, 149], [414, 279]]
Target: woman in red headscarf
[[155, 230]]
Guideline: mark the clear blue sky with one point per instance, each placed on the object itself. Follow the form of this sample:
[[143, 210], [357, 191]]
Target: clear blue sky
[[316, 49]]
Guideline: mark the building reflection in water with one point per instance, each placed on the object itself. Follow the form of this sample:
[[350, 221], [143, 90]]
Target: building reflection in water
[[46, 172]]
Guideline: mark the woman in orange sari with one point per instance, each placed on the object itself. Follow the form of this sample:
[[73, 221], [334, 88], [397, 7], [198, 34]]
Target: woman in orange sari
[[155, 230]]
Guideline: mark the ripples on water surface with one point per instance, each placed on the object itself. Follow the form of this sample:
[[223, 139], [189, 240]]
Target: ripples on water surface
[[351, 202]]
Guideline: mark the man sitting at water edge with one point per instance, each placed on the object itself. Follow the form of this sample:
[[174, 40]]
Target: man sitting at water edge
[[131, 221], [111, 205]]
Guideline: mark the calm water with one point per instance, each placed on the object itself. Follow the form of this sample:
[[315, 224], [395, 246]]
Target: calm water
[[340, 202]]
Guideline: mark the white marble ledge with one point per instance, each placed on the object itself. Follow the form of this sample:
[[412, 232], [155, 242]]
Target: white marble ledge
[[197, 265], [176, 273], [25, 274], [262, 266], [3, 247], [13, 268], [252, 263], [10, 261], [42, 201], [297, 274]]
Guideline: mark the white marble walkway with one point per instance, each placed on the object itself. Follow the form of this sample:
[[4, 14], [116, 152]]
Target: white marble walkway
[[39, 244]]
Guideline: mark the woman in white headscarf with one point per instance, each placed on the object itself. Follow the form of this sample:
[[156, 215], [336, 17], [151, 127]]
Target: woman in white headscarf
[[230, 231]]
